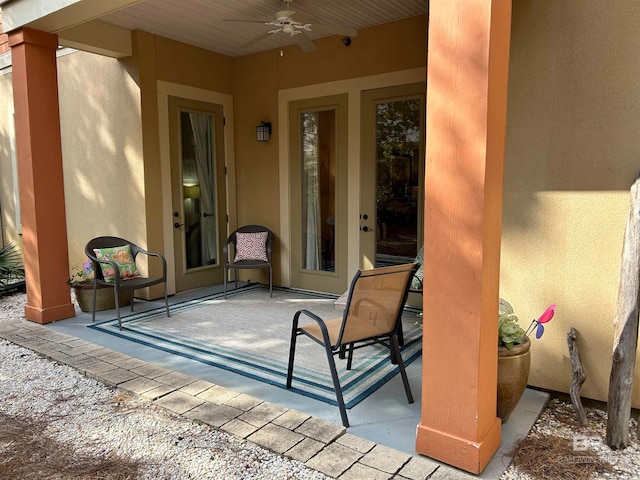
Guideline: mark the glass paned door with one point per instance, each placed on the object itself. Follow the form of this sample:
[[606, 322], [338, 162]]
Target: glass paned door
[[198, 190], [318, 179]]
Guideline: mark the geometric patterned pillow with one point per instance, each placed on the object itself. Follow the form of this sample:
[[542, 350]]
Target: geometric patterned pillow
[[123, 258], [251, 246]]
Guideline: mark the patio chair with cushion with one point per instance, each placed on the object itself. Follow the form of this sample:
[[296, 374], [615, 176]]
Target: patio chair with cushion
[[373, 315], [251, 248], [114, 263]]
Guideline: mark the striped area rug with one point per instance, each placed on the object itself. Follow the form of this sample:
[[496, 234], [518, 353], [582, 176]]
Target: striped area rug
[[248, 333]]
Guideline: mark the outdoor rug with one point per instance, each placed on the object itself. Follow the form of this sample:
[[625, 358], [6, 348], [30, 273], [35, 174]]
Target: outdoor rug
[[249, 333]]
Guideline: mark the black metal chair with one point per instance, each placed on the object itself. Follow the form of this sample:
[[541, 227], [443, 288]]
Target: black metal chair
[[373, 315], [251, 249], [122, 284]]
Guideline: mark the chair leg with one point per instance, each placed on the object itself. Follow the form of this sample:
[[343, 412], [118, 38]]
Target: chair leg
[[270, 282], [396, 353], [400, 335], [166, 299], [95, 294], [115, 294], [224, 280], [350, 357], [336, 385], [292, 349]]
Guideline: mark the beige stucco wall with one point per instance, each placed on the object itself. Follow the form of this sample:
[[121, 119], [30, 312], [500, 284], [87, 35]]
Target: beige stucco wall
[[8, 198], [572, 152], [102, 151]]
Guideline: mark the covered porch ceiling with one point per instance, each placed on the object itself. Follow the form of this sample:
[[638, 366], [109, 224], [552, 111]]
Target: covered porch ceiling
[[104, 27]]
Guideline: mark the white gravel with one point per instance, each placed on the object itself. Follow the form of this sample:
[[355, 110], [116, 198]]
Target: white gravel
[[103, 422], [100, 421]]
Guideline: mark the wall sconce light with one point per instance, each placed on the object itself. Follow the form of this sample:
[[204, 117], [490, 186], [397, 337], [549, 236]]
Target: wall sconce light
[[263, 131]]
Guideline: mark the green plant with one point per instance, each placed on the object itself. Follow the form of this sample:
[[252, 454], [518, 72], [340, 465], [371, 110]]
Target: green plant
[[509, 332], [81, 275], [11, 265]]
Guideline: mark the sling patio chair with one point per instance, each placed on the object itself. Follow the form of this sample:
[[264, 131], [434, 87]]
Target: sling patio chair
[[114, 263], [372, 315], [246, 248]]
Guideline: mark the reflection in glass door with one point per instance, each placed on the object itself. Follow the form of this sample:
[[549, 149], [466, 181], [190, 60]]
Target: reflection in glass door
[[398, 168], [198, 182], [318, 190], [392, 180]]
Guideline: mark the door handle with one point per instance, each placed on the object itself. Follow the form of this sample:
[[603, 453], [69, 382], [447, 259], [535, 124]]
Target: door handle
[[178, 225], [205, 215]]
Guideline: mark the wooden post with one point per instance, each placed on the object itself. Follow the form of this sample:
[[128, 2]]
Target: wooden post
[[625, 324], [578, 375], [39, 151], [467, 78]]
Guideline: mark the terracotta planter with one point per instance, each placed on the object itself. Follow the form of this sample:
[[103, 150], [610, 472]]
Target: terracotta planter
[[513, 373], [104, 298]]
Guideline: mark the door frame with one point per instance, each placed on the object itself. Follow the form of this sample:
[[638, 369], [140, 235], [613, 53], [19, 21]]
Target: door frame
[[353, 88], [165, 90]]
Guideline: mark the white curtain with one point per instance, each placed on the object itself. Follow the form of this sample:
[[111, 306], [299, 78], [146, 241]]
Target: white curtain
[[202, 127]]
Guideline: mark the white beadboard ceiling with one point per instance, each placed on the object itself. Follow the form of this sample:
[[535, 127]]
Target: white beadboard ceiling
[[200, 22]]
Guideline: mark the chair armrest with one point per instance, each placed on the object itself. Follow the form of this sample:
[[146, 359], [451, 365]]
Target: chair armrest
[[225, 250], [96, 267], [319, 321], [161, 257]]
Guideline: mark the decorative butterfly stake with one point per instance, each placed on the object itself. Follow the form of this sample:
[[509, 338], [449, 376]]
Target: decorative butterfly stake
[[539, 323]]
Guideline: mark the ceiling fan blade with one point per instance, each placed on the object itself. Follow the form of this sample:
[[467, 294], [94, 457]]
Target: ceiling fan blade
[[305, 42], [264, 22], [334, 30], [300, 17], [254, 41]]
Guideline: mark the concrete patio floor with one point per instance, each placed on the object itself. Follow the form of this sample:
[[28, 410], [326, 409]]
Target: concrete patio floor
[[382, 423]]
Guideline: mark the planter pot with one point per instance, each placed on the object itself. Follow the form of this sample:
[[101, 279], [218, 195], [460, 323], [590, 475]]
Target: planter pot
[[104, 298], [513, 373]]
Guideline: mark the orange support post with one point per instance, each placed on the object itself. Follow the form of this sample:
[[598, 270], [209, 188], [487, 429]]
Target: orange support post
[[39, 151], [467, 72]]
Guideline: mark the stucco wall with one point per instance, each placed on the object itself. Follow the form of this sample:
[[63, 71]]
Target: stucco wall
[[102, 151], [572, 152], [398, 46], [8, 198]]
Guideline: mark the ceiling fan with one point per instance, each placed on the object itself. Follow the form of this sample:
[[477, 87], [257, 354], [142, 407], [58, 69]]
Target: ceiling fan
[[294, 24]]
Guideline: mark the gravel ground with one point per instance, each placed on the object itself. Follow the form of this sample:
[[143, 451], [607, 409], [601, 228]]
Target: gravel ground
[[98, 422], [102, 423]]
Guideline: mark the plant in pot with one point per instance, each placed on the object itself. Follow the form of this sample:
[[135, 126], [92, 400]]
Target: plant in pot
[[514, 357], [81, 281]]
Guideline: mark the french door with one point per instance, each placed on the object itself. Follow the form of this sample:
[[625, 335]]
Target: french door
[[392, 180], [198, 191], [318, 146]]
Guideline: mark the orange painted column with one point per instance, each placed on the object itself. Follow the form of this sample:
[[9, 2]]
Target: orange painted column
[[39, 152], [467, 72]]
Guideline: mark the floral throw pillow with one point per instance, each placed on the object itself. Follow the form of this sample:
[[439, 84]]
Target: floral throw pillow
[[251, 246], [123, 258]]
